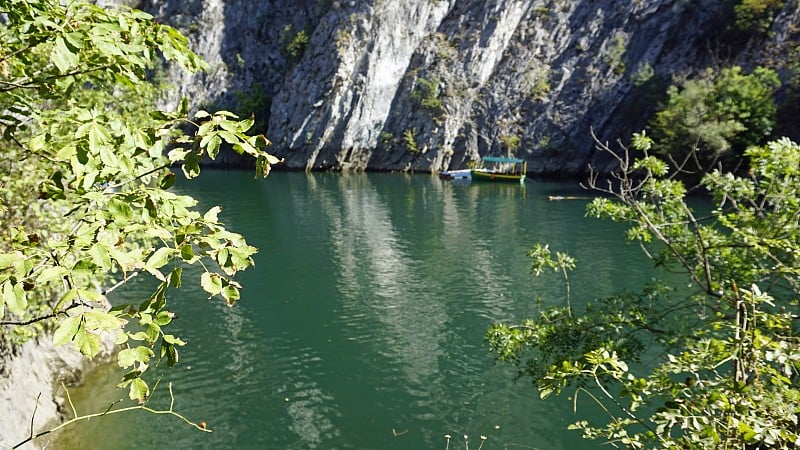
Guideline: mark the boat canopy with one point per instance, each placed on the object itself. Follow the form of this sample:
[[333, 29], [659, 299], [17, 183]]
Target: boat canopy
[[500, 159]]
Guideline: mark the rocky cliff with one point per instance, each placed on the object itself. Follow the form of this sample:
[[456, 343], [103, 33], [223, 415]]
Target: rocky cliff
[[31, 393], [427, 85]]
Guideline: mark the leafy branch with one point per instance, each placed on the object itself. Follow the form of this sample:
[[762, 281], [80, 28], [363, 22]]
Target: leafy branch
[[722, 360], [86, 200], [200, 426]]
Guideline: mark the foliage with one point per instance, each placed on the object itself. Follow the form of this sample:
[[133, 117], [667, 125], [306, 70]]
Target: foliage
[[86, 181], [294, 44], [722, 358], [539, 81], [510, 142], [715, 118], [255, 102], [543, 143], [411, 141], [542, 258], [616, 52], [756, 14], [644, 73], [428, 94], [385, 137]]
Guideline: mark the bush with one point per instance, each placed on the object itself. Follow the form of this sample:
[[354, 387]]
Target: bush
[[294, 44], [428, 94], [716, 117], [756, 15]]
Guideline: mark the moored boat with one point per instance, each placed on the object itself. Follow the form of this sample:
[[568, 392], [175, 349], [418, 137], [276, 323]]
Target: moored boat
[[461, 174], [502, 170]]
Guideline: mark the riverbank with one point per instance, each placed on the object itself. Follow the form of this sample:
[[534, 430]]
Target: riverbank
[[30, 381]]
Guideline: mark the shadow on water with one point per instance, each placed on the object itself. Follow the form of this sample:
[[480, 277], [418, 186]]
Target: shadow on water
[[362, 325]]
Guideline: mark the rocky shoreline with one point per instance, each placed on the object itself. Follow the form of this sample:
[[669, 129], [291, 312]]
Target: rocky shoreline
[[30, 380]]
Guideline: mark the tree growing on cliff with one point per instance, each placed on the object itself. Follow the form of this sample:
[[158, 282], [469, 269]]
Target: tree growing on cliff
[[713, 119], [756, 15], [723, 356], [85, 181]]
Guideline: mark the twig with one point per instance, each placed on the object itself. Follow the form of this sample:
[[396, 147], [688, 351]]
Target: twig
[[142, 175], [35, 408], [69, 399], [626, 410], [29, 321], [201, 426], [121, 282]]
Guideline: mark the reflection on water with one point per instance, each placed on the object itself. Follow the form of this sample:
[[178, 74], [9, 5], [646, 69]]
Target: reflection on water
[[362, 325]]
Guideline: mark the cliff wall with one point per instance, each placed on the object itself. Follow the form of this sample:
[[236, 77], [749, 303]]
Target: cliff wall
[[427, 85]]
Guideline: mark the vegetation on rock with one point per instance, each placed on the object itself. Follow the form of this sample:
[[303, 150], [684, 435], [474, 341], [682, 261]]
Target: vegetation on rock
[[713, 119]]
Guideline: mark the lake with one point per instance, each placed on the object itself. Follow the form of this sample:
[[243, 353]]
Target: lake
[[362, 325]]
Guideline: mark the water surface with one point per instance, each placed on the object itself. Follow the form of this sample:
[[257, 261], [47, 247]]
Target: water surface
[[362, 325]]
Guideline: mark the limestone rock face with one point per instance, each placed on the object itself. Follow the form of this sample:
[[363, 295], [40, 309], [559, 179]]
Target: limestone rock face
[[31, 394], [427, 85]]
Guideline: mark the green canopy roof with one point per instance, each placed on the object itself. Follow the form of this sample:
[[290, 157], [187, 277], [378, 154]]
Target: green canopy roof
[[500, 159]]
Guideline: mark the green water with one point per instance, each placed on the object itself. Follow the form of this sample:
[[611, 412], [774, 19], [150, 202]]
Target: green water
[[362, 325]]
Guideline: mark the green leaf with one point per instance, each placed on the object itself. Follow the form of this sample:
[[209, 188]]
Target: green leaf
[[172, 354], [37, 143], [223, 113], [747, 432], [175, 277], [130, 356], [107, 156], [74, 40], [138, 336], [159, 258], [8, 293], [211, 283], [246, 124], [153, 331], [163, 318], [139, 390], [88, 343], [229, 137], [213, 146], [8, 259], [51, 274], [230, 294], [61, 55], [167, 181], [67, 297], [91, 295], [191, 165], [66, 330], [120, 210], [100, 255], [122, 337], [98, 135], [187, 252], [183, 107], [101, 320], [211, 215], [159, 115], [271, 159], [14, 297], [224, 259], [174, 340]]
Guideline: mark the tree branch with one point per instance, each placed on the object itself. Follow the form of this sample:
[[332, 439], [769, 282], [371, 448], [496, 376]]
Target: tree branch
[[199, 426]]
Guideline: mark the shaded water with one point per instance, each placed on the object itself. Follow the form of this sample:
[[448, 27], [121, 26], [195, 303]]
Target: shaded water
[[362, 325]]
